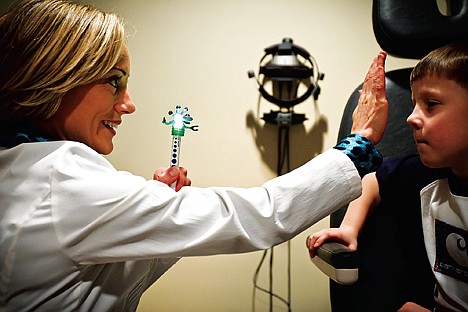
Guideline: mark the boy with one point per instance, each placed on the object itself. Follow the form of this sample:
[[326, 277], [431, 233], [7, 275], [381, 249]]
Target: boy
[[439, 174]]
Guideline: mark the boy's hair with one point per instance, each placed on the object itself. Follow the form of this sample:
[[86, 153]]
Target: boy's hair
[[449, 61], [48, 47]]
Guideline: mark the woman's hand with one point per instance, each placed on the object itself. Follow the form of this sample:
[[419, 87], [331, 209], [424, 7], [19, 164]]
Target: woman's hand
[[371, 114], [172, 174], [412, 307]]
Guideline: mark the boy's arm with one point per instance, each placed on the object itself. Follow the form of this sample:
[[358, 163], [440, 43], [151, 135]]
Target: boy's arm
[[361, 207], [354, 219]]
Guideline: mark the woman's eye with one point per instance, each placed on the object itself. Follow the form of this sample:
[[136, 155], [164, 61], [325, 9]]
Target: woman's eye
[[114, 82]]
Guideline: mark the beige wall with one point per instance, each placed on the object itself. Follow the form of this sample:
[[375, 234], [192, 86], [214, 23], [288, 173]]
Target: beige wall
[[197, 53]]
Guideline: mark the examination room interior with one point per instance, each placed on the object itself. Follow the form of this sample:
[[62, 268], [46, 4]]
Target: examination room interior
[[197, 53]]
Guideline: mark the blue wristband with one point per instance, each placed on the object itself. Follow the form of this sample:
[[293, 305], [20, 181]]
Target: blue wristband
[[362, 153]]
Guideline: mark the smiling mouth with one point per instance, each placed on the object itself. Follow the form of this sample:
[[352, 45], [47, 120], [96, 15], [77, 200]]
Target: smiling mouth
[[110, 124]]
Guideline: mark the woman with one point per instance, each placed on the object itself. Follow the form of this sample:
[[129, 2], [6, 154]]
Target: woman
[[76, 234]]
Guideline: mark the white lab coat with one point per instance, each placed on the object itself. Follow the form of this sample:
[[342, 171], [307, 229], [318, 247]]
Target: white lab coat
[[78, 235]]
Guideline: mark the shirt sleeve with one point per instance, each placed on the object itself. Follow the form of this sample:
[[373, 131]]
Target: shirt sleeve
[[104, 215], [362, 153]]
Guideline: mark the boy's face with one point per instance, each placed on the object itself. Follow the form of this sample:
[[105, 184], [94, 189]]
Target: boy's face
[[440, 123]]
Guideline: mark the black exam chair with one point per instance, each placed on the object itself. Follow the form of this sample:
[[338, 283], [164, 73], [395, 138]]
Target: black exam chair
[[391, 266]]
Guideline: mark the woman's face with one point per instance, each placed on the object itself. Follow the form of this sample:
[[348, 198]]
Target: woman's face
[[91, 113]]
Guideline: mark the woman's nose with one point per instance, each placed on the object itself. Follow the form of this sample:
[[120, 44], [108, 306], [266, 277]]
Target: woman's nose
[[126, 106]]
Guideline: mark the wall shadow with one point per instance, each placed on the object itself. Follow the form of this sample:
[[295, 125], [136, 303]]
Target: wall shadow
[[304, 144]]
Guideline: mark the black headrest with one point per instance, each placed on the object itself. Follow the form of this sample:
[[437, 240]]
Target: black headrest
[[413, 28]]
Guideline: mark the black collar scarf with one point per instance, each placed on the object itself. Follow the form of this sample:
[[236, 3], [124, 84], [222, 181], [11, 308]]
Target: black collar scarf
[[13, 133]]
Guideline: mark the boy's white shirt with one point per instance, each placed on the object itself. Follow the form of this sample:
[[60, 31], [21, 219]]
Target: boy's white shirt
[[438, 203]]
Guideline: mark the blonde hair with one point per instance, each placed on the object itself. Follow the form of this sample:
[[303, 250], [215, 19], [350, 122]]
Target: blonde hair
[[48, 47]]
